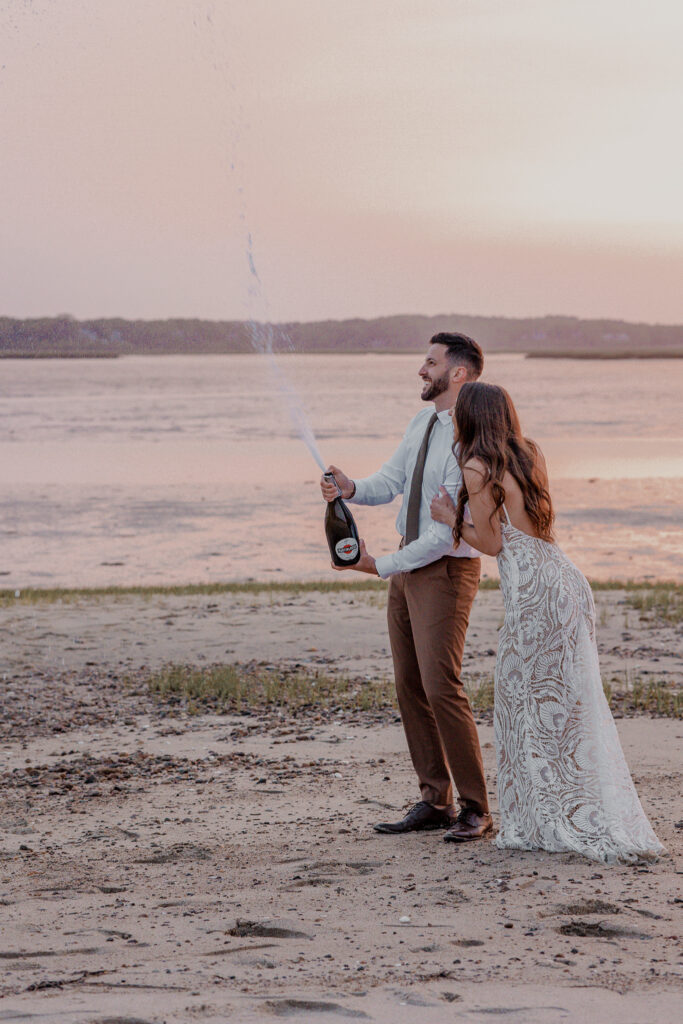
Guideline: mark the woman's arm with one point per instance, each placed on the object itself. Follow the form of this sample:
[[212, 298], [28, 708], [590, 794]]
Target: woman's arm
[[469, 535], [443, 510]]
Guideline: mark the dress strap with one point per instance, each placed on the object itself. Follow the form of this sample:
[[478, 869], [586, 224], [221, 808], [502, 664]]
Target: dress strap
[[506, 515]]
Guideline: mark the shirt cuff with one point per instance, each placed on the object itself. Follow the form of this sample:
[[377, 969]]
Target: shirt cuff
[[357, 496], [386, 565]]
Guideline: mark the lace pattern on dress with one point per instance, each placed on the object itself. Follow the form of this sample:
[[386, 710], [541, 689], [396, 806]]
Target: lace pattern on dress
[[563, 781]]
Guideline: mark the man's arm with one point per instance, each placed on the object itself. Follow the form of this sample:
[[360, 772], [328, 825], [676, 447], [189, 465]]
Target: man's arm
[[378, 489], [383, 486]]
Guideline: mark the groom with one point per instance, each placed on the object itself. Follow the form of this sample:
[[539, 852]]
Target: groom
[[431, 589]]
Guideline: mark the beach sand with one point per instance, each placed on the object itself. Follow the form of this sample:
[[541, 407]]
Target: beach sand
[[160, 866]]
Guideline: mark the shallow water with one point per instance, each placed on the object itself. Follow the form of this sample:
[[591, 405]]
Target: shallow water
[[182, 468]]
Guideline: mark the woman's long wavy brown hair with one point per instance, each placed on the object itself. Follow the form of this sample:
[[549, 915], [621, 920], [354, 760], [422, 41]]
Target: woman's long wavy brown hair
[[488, 429]]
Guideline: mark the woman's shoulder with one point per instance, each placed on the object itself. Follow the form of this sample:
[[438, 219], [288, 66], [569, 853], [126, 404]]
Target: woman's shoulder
[[475, 465], [476, 474]]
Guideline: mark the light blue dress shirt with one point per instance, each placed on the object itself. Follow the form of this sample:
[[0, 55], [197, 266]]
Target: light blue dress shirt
[[441, 469]]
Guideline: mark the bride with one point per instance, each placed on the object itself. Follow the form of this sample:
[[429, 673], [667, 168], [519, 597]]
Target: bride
[[563, 782]]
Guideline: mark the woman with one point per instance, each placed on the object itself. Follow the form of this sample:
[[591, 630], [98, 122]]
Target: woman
[[563, 783]]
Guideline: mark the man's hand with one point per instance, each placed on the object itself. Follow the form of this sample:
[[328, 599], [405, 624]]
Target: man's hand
[[442, 508], [366, 563], [346, 486]]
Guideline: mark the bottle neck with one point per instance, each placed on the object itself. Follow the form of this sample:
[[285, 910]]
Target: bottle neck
[[330, 477]]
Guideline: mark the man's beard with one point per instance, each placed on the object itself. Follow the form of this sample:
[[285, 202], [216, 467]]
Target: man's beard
[[436, 388]]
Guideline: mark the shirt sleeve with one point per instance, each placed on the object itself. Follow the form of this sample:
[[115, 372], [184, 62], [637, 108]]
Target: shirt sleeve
[[433, 543], [383, 486]]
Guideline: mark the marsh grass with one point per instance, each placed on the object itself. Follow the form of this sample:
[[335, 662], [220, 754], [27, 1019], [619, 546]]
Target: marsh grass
[[480, 693], [57, 595], [628, 693], [660, 602], [234, 687]]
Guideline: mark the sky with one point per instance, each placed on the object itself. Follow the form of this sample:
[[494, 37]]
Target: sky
[[365, 158]]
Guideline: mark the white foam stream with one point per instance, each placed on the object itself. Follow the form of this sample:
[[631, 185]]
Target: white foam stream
[[264, 337]]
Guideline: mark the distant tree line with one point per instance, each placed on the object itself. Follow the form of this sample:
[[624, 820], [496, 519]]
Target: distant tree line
[[63, 336]]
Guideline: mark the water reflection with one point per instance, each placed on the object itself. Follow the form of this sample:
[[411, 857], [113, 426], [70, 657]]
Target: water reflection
[[176, 469]]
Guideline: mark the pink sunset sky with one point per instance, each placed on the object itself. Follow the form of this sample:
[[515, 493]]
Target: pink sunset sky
[[513, 157]]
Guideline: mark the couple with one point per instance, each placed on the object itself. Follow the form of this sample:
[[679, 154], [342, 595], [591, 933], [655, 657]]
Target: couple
[[563, 783]]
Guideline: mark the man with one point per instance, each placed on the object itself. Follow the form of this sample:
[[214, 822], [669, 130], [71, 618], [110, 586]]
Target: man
[[431, 589]]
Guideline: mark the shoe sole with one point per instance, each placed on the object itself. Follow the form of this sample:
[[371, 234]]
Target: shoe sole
[[403, 831], [468, 839]]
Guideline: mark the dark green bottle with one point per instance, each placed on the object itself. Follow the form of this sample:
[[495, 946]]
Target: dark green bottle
[[340, 529]]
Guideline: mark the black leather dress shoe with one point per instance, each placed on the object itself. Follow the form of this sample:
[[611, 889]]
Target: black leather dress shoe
[[419, 818], [469, 825]]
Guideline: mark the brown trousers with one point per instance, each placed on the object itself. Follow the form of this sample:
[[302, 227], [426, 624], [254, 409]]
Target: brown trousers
[[428, 612]]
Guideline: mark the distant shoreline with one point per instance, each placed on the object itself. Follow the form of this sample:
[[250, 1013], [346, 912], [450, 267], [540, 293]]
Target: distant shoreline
[[568, 354], [59, 355], [558, 337], [607, 354]]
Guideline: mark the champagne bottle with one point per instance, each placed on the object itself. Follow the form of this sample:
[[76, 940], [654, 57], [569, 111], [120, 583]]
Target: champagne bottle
[[340, 529]]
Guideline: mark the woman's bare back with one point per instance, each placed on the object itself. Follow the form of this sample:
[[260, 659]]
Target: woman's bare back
[[514, 500]]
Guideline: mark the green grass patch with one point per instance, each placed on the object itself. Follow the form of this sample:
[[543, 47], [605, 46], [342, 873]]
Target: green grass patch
[[637, 585], [38, 595], [641, 697], [480, 694], [661, 602], [233, 687], [626, 694], [55, 595]]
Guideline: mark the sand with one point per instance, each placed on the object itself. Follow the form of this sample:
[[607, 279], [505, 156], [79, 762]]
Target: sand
[[159, 866], [344, 632]]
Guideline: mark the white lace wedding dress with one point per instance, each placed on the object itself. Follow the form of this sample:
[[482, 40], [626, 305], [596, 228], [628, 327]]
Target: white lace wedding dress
[[563, 782]]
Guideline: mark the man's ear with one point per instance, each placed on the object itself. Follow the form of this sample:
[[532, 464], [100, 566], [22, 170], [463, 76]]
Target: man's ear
[[459, 374]]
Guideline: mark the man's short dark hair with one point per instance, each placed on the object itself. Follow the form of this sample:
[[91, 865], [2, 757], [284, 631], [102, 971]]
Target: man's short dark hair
[[462, 350]]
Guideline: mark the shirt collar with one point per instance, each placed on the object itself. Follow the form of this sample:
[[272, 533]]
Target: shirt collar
[[443, 416]]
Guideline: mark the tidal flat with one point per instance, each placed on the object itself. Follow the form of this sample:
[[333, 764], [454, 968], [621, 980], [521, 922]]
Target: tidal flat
[[163, 470], [189, 782]]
